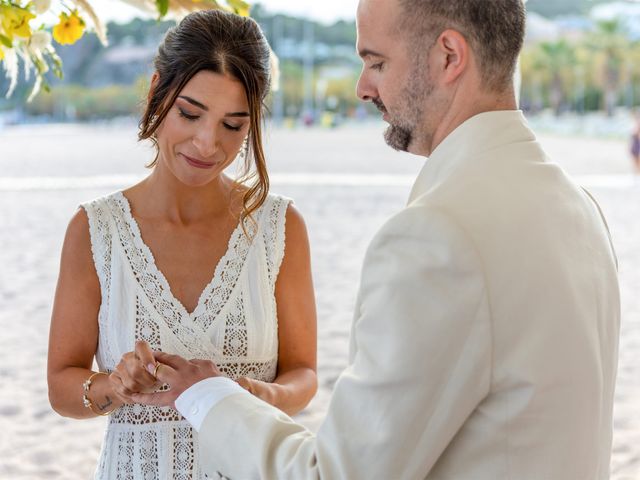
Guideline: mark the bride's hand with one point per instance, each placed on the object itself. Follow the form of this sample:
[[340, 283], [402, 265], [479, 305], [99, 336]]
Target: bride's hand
[[132, 376], [263, 390]]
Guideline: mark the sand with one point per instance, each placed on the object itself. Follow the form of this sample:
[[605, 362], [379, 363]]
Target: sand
[[346, 183]]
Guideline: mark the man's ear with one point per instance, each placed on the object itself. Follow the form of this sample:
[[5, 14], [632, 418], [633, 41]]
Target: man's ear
[[154, 82], [454, 53]]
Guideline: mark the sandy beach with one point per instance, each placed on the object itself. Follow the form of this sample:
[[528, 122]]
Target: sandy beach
[[346, 182]]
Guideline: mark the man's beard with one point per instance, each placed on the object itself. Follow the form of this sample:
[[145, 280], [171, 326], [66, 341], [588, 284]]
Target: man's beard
[[401, 133], [397, 136]]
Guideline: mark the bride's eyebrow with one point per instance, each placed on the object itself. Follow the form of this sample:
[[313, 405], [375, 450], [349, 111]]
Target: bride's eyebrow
[[196, 103]]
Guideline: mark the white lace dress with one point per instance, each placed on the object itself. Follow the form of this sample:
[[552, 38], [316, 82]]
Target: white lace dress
[[234, 324]]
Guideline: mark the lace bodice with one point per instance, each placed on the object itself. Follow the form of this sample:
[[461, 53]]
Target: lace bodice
[[233, 324]]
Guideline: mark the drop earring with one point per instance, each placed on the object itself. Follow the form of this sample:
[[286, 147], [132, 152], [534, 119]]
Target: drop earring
[[244, 150]]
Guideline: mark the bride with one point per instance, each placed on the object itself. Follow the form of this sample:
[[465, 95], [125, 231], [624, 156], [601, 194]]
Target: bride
[[189, 260]]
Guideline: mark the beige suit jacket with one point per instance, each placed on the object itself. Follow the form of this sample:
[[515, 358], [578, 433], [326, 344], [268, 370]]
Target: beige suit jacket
[[484, 343]]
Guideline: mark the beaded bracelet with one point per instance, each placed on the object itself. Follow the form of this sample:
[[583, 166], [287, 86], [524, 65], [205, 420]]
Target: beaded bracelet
[[85, 399]]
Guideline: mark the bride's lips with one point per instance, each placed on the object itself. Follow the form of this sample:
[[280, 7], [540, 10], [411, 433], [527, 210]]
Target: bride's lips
[[197, 163]]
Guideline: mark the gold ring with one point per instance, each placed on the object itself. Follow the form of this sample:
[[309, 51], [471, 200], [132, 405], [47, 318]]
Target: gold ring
[[155, 370]]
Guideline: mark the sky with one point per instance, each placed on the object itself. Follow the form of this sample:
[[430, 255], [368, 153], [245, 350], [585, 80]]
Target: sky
[[327, 11]]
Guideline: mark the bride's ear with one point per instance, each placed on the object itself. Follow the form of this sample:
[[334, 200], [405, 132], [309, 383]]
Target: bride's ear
[[154, 82]]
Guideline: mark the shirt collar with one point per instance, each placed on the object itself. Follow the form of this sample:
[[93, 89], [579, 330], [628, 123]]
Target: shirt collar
[[480, 133]]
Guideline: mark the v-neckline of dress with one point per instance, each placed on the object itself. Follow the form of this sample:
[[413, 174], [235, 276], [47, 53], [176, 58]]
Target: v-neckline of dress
[[147, 254]]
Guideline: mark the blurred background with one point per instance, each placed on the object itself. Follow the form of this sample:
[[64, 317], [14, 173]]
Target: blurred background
[[581, 57], [580, 90]]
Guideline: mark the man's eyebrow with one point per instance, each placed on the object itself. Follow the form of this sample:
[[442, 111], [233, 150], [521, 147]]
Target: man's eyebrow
[[366, 52], [196, 103]]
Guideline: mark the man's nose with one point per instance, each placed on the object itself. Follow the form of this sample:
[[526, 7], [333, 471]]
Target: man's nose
[[365, 90]]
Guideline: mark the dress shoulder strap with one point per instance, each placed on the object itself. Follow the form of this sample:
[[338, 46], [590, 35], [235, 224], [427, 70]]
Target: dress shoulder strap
[[273, 224], [101, 232]]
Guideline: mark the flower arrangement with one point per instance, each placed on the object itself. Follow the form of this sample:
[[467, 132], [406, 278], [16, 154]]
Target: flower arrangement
[[179, 8], [28, 29]]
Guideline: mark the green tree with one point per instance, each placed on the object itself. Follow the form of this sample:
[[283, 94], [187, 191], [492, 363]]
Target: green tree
[[610, 43], [555, 60]]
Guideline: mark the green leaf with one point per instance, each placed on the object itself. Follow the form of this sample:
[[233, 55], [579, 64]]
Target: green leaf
[[56, 63], [163, 7], [6, 41]]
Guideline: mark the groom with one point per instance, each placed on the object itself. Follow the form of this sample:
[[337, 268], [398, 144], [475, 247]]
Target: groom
[[485, 337]]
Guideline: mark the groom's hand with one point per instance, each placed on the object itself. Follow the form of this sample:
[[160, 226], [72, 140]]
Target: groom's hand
[[179, 374]]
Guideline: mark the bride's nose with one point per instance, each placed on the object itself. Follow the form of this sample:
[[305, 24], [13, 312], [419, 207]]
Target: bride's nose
[[206, 142]]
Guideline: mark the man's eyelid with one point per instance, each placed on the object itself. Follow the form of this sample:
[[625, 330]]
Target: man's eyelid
[[374, 60]]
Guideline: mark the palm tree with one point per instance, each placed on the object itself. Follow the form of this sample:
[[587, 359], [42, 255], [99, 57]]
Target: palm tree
[[554, 62], [632, 74], [610, 42]]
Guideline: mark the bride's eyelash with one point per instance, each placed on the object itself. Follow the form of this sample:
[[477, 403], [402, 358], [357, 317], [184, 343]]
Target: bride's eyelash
[[186, 115], [192, 118]]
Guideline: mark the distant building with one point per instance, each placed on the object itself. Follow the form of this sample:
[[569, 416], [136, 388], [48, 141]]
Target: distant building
[[293, 49]]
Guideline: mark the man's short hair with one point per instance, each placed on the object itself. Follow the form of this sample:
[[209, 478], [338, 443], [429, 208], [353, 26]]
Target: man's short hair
[[494, 29]]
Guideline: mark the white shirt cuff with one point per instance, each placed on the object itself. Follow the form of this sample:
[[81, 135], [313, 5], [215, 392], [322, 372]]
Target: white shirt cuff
[[196, 401]]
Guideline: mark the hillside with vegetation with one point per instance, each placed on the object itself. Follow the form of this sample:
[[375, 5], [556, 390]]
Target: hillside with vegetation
[[554, 8], [595, 68]]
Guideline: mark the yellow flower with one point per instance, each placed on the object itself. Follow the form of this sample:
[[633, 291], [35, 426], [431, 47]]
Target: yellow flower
[[15, 21], [1, 54], [70, 29], [239, 7]]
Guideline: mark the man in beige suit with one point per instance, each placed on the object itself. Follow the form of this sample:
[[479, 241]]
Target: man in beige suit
[[485, 336]]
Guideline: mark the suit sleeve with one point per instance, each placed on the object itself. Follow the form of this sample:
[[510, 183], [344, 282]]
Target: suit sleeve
[[421, 363]]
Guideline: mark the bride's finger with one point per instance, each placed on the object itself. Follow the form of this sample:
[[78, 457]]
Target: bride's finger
[[117, 386], [138, 375], [144, 352]]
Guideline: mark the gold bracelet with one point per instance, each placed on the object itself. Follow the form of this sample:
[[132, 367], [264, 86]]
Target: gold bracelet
[[85, 399]]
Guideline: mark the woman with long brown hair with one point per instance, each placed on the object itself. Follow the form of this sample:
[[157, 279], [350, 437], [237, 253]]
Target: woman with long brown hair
[[189, 261]]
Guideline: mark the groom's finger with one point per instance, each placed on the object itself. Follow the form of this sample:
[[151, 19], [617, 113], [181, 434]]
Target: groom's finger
[[175, 361], [165, 374]]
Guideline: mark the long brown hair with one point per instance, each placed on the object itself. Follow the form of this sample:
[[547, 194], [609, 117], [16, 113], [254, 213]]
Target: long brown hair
[[222, 43]]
